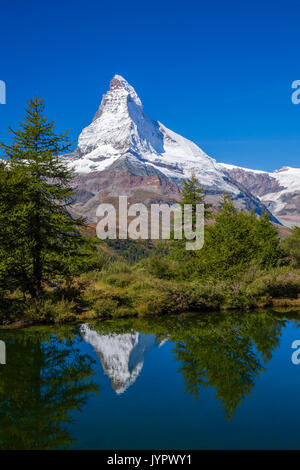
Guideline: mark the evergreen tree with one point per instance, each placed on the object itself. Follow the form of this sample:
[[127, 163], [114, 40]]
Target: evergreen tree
[[193, 194], [38, 236], [236, 240], [13, 227], [292, 247]]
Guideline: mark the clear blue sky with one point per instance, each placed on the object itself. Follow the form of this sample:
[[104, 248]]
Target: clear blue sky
[[217, 72]]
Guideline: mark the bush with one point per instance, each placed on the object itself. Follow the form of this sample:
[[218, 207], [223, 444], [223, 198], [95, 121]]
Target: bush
[[183, 297], [120, 280], [105, 307], [159, 267], [90, 276], [118, 267], [49, 311], [280, 283], [291, 246], [236, 240], [124, 312]]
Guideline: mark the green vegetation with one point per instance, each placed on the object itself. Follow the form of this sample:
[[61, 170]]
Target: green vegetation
[[292, 247], [51, 377], [46, 378], [236, 240], [51, 272], [217, 350], [38, 239], [132, 251]]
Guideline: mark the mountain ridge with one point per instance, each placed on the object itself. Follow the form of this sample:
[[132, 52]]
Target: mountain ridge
[[123, 152], [279, 190]]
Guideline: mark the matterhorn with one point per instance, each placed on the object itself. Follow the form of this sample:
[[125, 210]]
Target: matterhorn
[[124, 152]]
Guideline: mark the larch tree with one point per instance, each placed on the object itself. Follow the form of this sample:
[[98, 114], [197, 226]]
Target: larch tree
[[40, 239]]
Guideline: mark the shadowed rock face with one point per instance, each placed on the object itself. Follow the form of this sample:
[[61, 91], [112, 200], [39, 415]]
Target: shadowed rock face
[[124, 152], [98, 187], [258, 184], [279, 191], [289, 213], [152, 188], [121, 355]]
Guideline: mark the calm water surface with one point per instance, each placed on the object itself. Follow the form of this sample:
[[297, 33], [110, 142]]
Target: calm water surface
[[188, 382]]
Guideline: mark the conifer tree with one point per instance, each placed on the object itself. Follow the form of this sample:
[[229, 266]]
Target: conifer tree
[[13, 232], [193, 194], [40, 234], [236, 240]]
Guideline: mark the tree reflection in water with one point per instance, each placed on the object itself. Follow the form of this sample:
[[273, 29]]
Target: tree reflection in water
[[223, 351], [44, 379], [47, 376], [228, 355]]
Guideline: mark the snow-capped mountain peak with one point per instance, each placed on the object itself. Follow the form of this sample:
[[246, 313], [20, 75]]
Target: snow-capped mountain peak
[[118, 82], [123, 151], [121, 128]]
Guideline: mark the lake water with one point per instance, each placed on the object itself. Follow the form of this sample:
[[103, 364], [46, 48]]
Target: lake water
[[223, 381]]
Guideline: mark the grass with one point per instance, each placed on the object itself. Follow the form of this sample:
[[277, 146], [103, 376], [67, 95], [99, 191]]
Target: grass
[[134, 291], [120, 290]]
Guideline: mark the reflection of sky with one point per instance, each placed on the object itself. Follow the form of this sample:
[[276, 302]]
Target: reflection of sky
[[156, 412]]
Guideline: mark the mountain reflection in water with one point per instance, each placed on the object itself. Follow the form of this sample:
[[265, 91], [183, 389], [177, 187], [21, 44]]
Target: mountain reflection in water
[[224, 352], [53, 376], [121, 355]]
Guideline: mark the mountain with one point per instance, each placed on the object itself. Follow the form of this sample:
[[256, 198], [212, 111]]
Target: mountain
[[121, 355], [124, 152], [279, 190]]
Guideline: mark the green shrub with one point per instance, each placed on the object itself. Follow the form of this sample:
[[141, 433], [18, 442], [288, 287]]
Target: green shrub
[[105, 307], [117, 267], [280, 283], [120, 280], [91, 276], [124, 312], [284, 289], [159, 267], [49, 311], [291, 246]]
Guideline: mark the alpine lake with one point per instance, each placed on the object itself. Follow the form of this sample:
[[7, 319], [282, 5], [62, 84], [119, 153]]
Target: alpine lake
[[211, 381]]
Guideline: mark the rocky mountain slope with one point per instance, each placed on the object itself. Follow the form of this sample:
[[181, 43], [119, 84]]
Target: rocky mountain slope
[[124, 152], [279, 190]]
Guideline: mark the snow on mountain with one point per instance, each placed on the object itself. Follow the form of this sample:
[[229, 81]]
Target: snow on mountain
[[121, 355], [228, 166], [278, 190], [287, 177], [120, 128], [124, 152]]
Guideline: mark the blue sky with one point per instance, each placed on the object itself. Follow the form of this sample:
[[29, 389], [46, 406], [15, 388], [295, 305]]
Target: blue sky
[[219, 73]]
